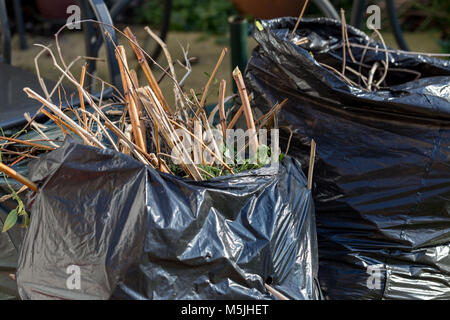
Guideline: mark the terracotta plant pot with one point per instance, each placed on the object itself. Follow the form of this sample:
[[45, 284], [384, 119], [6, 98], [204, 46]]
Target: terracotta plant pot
[[54, 9], [268, 9]]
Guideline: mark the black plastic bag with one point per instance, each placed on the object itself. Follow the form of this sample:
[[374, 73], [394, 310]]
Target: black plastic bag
[[104, 226], [382, 175], [9, 252], [11, 241]]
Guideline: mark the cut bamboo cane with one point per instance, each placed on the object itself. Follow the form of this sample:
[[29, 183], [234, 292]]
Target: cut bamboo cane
[[198, 149], [223, 120], [237, 75], [80, 94], [132, 108], [17, 176], [134, 78], [312, 158], [147, 71], [211, 78], [156, 112]]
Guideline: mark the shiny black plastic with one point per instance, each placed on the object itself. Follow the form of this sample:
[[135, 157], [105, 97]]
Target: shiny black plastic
[[382, 174], [9, 252], [136, 233]]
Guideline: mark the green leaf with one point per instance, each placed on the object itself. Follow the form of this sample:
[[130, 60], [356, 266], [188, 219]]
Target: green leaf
[[10, 220], [20, 210], [27, 219]]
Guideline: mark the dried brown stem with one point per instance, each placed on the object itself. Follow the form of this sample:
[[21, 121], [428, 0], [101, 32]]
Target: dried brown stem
[[298, 20], [223, 120], [237, 75], [147, 70], [211, 78], [80, 94], [28, 143], [312, 158], [17, 176], [131, 103]]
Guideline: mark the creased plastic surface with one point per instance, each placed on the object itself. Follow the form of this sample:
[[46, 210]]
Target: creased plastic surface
[[382, 176], [10, 243], [9, 252], [136, 233]]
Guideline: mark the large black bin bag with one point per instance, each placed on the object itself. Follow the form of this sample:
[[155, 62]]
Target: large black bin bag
[[130, 232], [382, 178], [9, 252], [10, 241]]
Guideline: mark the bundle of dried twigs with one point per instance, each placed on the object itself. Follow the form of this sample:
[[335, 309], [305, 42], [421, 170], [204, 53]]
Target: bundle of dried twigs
[[147, 126], [359, 73]]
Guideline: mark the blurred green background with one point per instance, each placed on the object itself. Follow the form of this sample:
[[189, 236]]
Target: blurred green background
[[202, 25], [210, 16]]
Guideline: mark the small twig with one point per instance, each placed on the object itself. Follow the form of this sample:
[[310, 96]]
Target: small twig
[[312, 158], [347, 80], [386, 67], [298, 20], [165, 50], [18, 153], [36, 127], [40, 146], [363, 55], [9, 196], [356, 45], [83, 133], [275, 292], [17, 176], [344, 23], [187, 65], [371, 75], [289, 140]]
